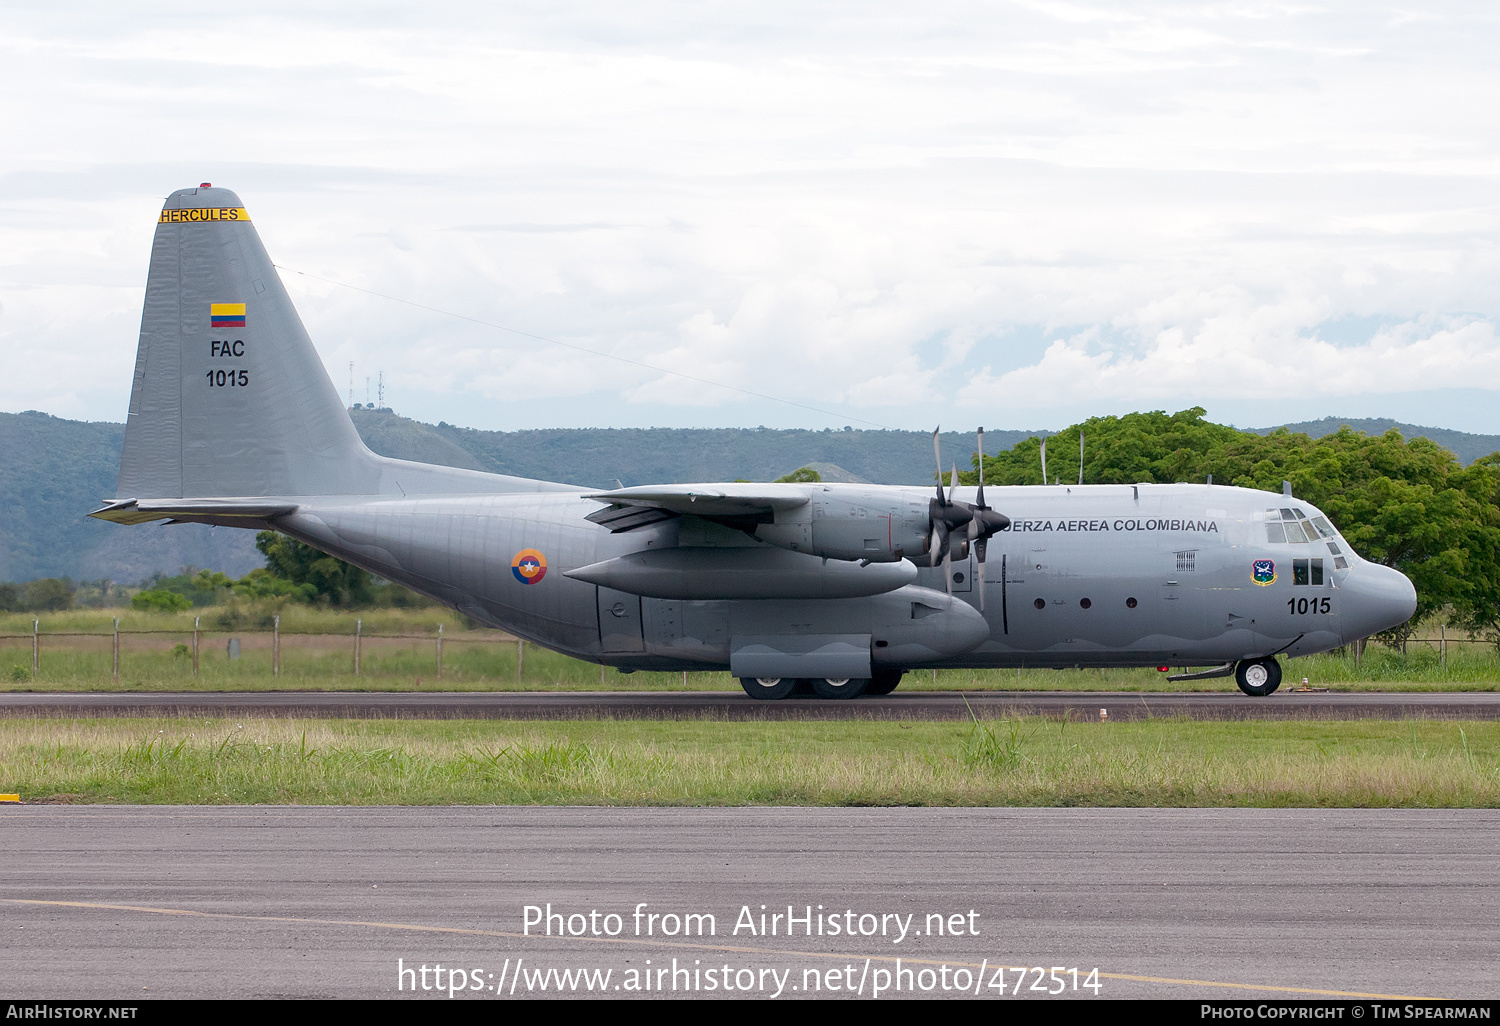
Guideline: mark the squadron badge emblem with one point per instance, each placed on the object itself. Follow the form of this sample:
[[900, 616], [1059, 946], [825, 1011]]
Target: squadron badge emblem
[[529, 566], [1263, 571]]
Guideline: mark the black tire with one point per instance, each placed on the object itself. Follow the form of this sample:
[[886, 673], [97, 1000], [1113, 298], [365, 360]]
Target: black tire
[[768, 689], [1258, 677], [840, 687], [884, 682]]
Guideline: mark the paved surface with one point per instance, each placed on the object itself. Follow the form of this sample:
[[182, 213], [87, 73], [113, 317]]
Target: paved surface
[[730, 705], [1239, 904]]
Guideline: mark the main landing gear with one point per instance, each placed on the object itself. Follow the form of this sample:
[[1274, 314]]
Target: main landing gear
[[772, 688], [1258, 677]]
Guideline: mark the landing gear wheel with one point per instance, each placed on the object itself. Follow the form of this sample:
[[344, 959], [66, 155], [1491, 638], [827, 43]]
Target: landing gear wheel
[[884, 682], [768, 689], [1258, 677], [840, 687]]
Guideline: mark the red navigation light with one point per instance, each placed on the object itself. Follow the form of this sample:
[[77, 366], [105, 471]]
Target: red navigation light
[[205, 185], [1162, 669]]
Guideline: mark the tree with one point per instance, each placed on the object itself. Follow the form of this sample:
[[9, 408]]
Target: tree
[[803, 475], [332, 580], [49, 594], [159, 600]]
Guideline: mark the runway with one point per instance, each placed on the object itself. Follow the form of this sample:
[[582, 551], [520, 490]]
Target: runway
[[735, 706], [1233, 904]]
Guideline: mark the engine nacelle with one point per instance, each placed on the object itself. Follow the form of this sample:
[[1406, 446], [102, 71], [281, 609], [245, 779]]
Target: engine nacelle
[[851, 523]]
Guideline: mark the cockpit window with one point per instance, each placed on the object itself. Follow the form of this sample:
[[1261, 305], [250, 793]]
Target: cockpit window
[[1293, 526]]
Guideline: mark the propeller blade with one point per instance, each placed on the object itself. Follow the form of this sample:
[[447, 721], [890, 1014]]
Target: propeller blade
[[948, 569], [939, 537], [952, 481], [937, 455], [979, 574], [979, 499]]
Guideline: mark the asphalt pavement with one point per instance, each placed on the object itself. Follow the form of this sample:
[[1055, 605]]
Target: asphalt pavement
[[929, 705], [1238, 904]]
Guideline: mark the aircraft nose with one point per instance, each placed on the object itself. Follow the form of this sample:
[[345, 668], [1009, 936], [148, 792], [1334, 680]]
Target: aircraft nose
[[1376, 598]]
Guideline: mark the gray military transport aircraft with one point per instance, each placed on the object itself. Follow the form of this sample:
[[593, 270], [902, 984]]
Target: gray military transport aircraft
[[235, 422]]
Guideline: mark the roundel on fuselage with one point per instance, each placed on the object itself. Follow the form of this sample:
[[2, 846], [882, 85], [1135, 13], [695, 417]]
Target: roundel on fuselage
[[529, 566]]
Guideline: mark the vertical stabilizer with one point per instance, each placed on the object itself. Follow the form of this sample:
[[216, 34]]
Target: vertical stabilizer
[[230, 397]]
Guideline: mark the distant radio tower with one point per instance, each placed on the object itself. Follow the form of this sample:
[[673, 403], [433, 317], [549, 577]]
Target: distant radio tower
[[380, 391], [351, 384]]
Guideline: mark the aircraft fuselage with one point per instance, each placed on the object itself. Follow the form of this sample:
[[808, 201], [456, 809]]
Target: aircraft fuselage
[[1094, 575]]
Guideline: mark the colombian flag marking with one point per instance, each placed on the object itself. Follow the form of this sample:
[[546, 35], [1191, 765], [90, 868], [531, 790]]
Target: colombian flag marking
[[226, 315], [529, 566]]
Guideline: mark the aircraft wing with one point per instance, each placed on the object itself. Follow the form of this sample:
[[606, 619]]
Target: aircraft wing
[[630, 508]]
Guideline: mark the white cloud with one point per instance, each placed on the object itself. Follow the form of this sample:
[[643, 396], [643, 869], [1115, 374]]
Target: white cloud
[[863, 207]]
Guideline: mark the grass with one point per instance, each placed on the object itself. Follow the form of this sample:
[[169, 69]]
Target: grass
[[317, 653], [1009, 762]]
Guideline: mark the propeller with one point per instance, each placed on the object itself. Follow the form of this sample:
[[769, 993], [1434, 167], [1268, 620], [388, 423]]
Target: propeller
[[986, 522], [948, 515]]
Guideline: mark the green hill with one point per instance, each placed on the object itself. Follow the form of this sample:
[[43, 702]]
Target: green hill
[[1466, 447]]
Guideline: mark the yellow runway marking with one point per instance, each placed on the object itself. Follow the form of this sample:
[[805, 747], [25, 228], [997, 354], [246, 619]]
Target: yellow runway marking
[[686, 945]]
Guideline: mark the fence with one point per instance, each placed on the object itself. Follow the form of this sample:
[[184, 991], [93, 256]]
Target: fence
[[123, 643]]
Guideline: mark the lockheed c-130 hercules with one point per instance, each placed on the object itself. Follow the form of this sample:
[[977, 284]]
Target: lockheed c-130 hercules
[[234, 422]]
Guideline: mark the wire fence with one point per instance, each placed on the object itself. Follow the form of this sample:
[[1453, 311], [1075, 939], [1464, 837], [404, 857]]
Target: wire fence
[[150, 645]]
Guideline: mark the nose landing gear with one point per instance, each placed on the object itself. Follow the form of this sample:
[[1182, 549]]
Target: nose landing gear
[[1258, 677]]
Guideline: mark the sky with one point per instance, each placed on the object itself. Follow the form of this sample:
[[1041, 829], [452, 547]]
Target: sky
[[876, 214]]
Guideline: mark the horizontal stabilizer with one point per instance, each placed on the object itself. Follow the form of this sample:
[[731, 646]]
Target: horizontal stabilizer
[[230, 512]]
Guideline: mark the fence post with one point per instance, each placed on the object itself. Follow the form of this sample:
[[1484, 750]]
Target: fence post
[[520, 657], [117, 650], [195, 646], [276, 646], [440, 652], [1445, 648], [36, 639], [684, 678], [358, 629]]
